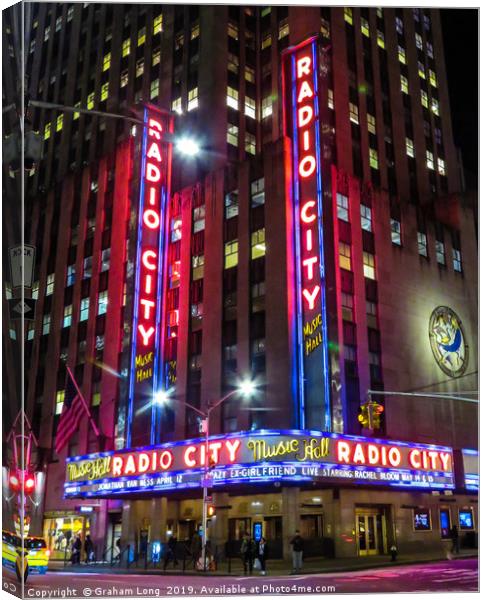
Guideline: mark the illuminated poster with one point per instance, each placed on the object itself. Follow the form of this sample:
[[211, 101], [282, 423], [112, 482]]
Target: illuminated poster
[[149, 266], [301, 89]]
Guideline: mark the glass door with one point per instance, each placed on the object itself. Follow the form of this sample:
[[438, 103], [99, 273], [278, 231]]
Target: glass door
[[366, 525]]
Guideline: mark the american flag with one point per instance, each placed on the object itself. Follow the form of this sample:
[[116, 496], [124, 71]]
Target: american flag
[[72, 411]]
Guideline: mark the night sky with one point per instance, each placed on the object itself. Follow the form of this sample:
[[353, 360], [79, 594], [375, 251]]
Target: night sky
[[460, 37]]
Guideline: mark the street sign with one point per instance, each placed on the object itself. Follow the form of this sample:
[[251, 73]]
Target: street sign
[[15, 253], [18, 308], [206, 482], [208, 499]]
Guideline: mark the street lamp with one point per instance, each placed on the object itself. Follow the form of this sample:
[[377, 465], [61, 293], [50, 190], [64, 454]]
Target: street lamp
[[187, 146], [245, 388]]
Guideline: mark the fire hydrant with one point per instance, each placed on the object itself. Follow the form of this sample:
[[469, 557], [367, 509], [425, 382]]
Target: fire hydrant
[[393, 553]]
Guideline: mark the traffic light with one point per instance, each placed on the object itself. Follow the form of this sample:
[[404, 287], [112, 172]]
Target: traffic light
[[18, 479], [376, 411], [211, 511], [364, 416], [370, 415]]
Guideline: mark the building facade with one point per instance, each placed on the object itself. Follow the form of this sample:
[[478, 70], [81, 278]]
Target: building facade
[[382, 250]]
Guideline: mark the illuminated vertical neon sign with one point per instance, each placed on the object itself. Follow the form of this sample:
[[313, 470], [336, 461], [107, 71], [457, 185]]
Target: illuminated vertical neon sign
[[302, 124], [148, 305]]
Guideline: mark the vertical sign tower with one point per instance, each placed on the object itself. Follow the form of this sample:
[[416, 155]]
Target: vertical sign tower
[[148, 301], [301, 112]]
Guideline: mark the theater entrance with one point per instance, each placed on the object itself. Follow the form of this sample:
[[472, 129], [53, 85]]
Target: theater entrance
[[370, 526]]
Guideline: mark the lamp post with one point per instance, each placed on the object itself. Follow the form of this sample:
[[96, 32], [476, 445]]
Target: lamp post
[[246, 389]]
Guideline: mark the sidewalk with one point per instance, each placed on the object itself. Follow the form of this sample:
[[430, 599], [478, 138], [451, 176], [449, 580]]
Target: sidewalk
[[273, 567]]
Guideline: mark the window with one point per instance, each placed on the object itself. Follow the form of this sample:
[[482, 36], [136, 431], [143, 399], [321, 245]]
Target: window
[[404, 85], [435, 107], [193, 99], [177, 105], [250, 143], [232, 98], [142, 36], [198, 215], [266, 41], [84, 314], [429, 160], [104, 91], [401, 55], [250, 107], [344, 256], [429, 49], [371, 123], [35, 290], [410, 147], [46, 324], [230, 254], [140, 65], [258, 244], [421, 71], [257, 192], [154, 87], [266, 107], [49, 288], [366, 217], [232, 134], [125, 47], [157, 24], [354, 113], [284, 29], [124, 78], [59, 401], [195, 31], [373, 158], [106, 61], [88, 267], [59, 122], [440, 252], [419, 41], [232, 31], [330, 103], [197, 311], [349, 353], [441, 166], [456, 254], [364, 27], [175, 229], [348, 16], [258, 292], [424, 99], [369, 265], [396, 232], [347, 307], [371, 313], [399, 25], [105, 259], [233, 63], [90, 101], [422, 244], [432, 78], [179, 41], [156, 57], [342, 207], [102, 302], [381, 42], [47, 131], [67, 319], [231, 204], [258, 346]]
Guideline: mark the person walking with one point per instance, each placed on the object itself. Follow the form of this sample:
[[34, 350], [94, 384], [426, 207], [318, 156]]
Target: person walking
[[455, 540], [76, 550], [170, 554], [297, 552], [195, 548], [262, 554], [247, 553], [89, 549]]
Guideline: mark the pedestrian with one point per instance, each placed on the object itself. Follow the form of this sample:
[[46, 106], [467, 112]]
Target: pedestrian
[[195, 547], [170, 554], [455, 540], [247, 553], [297, 551], [262, 554], [89, 549], [76, 550], [393, 553]]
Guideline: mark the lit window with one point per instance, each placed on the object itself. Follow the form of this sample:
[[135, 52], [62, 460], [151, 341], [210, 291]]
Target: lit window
[[266, 107], [422, 244], [67, 319], [197, 267], [342, 207], [350, 353], [88, 267], [416, 14], [198, 216], [440, 252], [140, 65], [49, 289], [104, 91], [176, 229], [258, 243], [156, 57], [401, 55], [157, 24], [70, 12], [381, 42], [96, 399], [354, 113], [177, 105], [441, 166], [379, 12], [371, 123], [35, 290], [366, 217], [435, 107], [124, 78], [432, 78], [231, 204], [174, 276], [47, 131], [330, 100], [427, 23], [257, 192], [232, 98], [232, 134], [373, 158], [421, 71], [13, 334], [46, 33], [325, 28], [179, 41], [283, 30], [399, 25], [125, 47], [84, 314], [76, 114], [371, 313], [59, 401], [232, 31], [59, 122], [265, 11], [456, 254], [396, 232], [46, 324], [404, 84], [419, 41], [258, 292], [71, 275], [344, 256], [194, 32], [424, 99], [31, 331], [106, 61], [348, 16], [154, 87], [90, 101], [410, 147], [429, 160], [347, 307], [142, 36], [102, 302], [369, 265], [250, 143], [105, 259], [233, 63], [250, 107], [258, 346], [230, 254], [429, 49], [364, 27], [266, 42], [193, 99]]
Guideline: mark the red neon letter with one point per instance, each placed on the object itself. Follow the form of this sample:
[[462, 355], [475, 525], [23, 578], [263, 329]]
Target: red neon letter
[[308, 263], [143, 462], [153, 173], [414, 459], [309, 240], [305, 217], [130, 465], [148, 284], [445, 459], [359, 454], [305, 92], [343, 451], [166, 459], [152, 197], [148, 304], [232, 448], [144, 259], [307, 166], [156, 125], [305, 114], [303, 66], [394, 456], [146, 335], [190, 462], [433, 455], [373, 452], [117, 465], [311, 297], [151, 218], [154, 152]]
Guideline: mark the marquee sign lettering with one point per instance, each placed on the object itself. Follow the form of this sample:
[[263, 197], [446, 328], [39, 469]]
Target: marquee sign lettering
[[259, 456], [148, 294], [301, 89]]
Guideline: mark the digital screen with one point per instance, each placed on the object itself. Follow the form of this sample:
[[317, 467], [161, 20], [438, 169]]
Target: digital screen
[[422, 520], [257, 531], [445, 523], [466, 519]]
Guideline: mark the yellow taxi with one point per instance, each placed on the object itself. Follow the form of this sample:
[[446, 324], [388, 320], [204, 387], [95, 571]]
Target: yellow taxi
[[36, 552], [10, 543]]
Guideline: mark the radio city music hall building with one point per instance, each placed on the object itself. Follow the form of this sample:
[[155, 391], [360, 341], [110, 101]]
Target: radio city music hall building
[[319, 245]]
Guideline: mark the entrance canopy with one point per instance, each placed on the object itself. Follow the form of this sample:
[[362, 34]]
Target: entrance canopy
[[258, 457]]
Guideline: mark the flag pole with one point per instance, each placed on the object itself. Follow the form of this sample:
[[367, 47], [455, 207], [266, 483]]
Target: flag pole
[[93, 424]]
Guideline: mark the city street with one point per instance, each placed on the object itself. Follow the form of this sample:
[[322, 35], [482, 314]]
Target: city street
[[449, 576]]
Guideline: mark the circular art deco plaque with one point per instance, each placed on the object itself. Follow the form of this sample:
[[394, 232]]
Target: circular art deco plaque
[[448, 341]]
